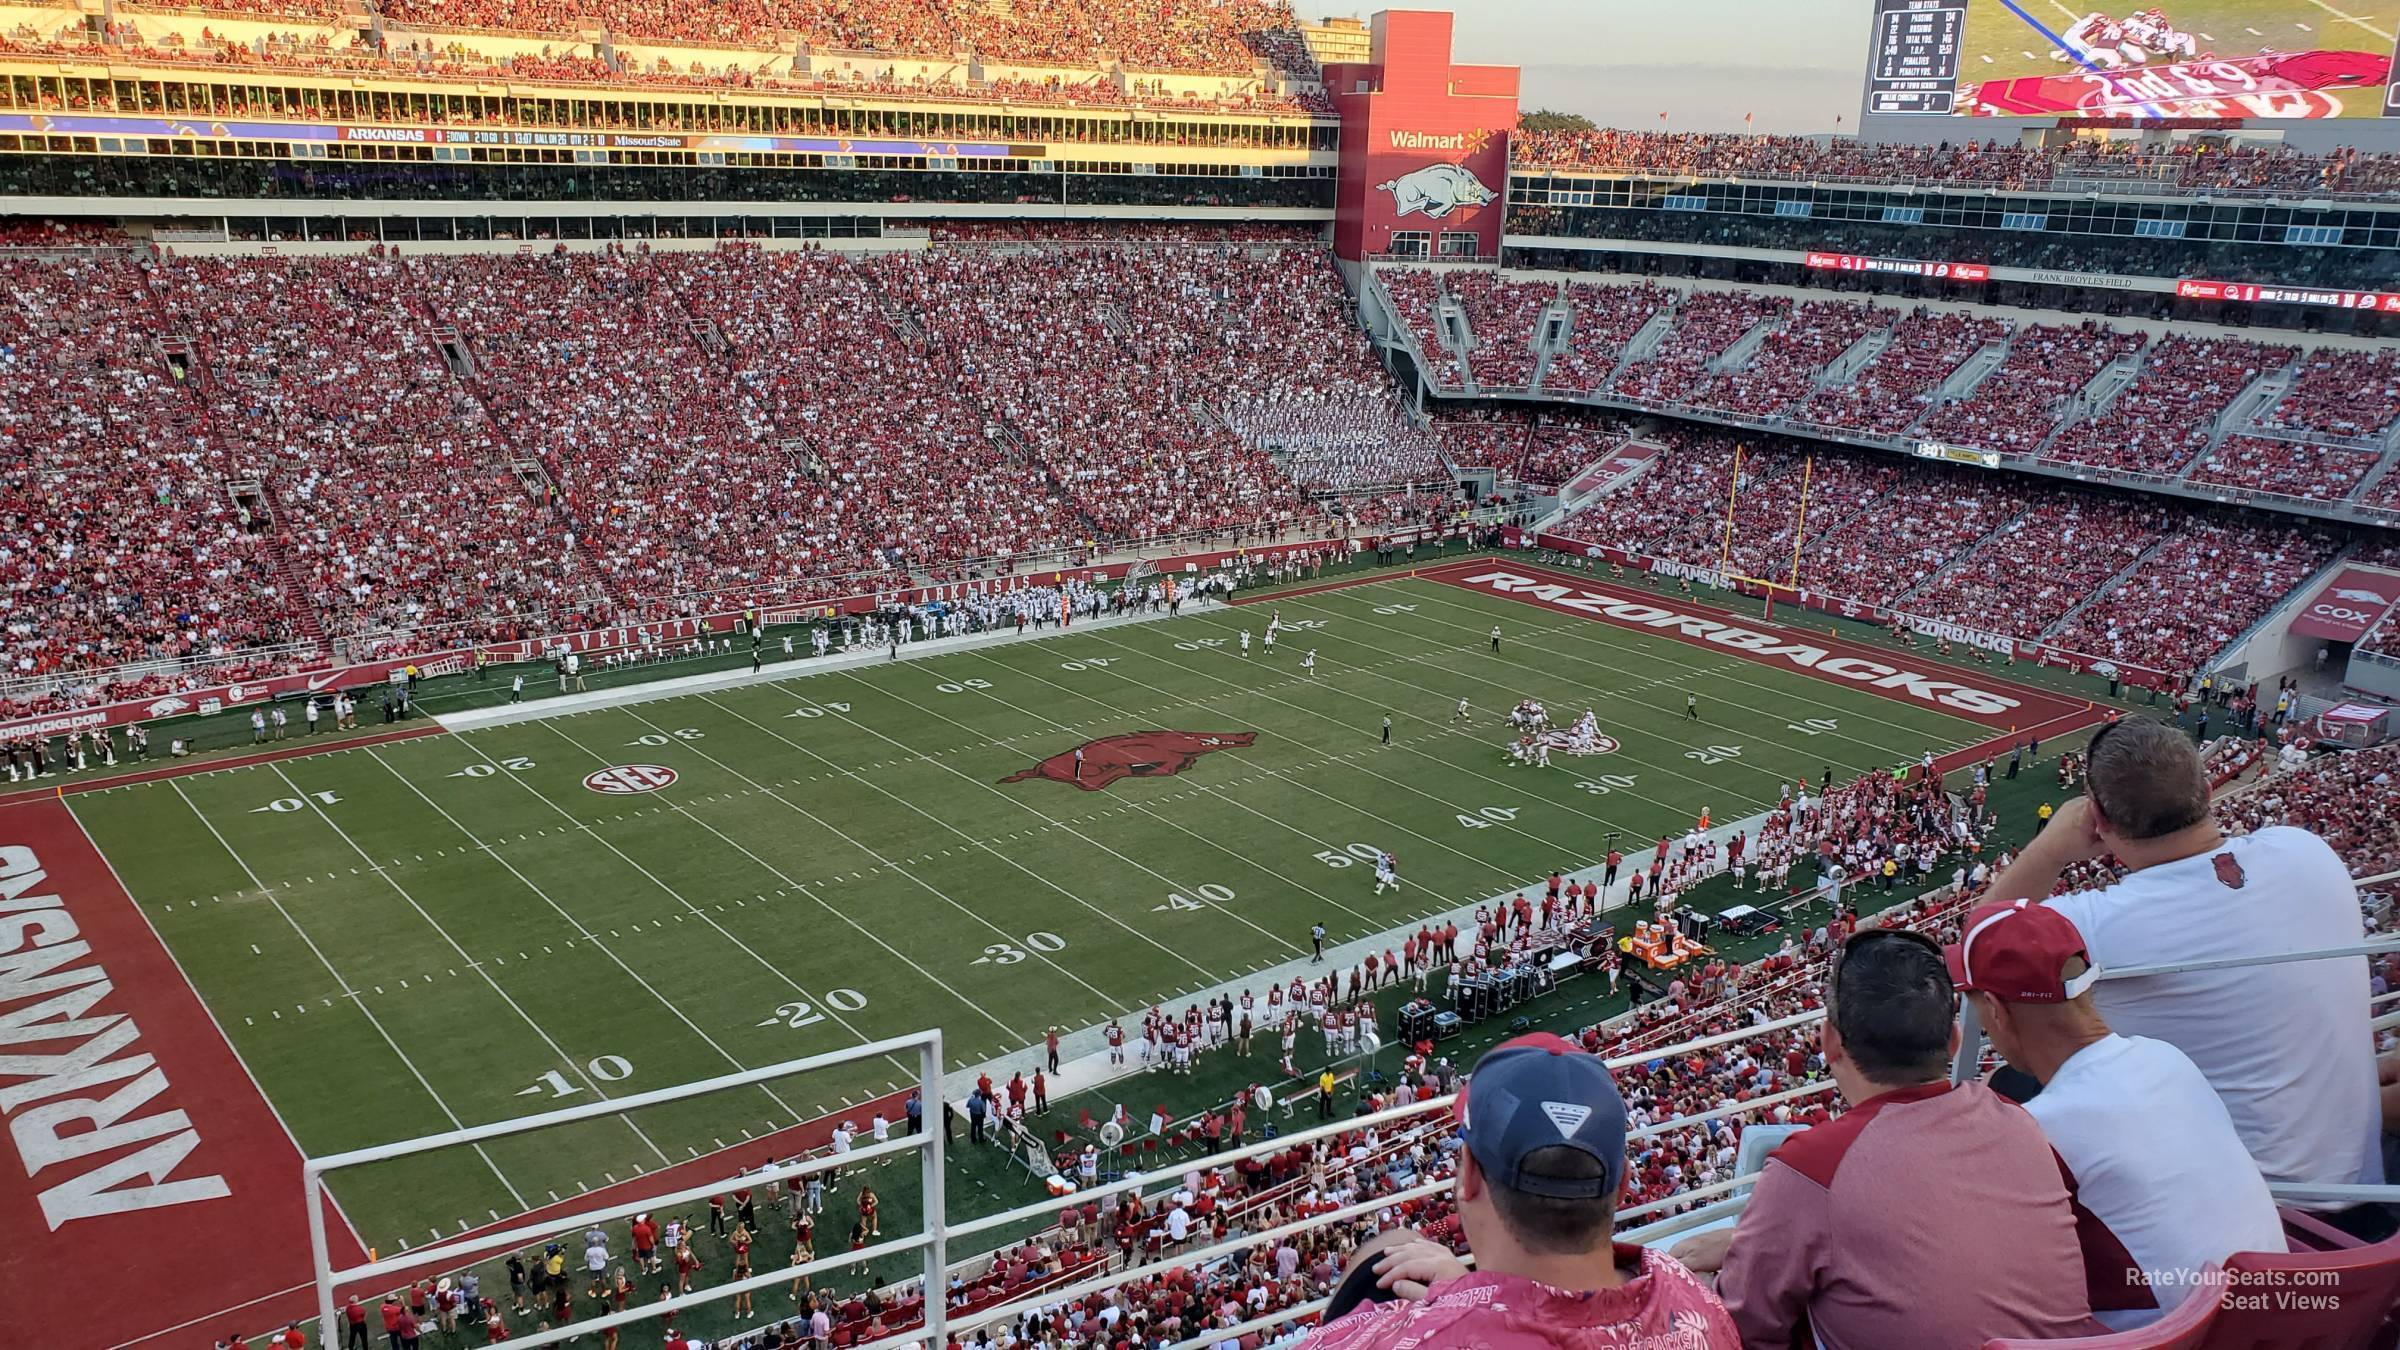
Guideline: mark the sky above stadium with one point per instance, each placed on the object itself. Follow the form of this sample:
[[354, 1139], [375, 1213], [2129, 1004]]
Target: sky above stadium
[[1796, 64]]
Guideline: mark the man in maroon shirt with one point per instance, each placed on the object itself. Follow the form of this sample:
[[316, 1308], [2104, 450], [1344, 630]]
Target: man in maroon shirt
[[1927, 1214]]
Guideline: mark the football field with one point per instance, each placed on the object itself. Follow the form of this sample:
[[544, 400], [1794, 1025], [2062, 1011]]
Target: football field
[[2014, 39], [399, 939]]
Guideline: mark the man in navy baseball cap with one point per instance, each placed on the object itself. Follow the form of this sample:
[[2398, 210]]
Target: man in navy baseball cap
[[1544, 1121], [1537, 1189]]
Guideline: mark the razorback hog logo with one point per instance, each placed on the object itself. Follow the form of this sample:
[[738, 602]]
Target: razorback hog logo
[[1436, 190], [2229, 871], [2364, 597], [1137, 754]]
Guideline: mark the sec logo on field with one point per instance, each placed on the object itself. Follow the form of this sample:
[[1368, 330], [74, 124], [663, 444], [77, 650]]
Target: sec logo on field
[[623, 779]]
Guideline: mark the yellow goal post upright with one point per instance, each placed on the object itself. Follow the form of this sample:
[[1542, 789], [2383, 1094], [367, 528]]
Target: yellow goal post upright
[[929, 1243], [1790, 585]]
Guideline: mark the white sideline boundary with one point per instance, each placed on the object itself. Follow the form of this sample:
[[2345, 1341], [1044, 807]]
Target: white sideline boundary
[[781, 669]]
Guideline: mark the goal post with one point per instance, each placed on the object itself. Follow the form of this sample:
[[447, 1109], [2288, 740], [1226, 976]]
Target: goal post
[[1790, 585], [930, 1242]]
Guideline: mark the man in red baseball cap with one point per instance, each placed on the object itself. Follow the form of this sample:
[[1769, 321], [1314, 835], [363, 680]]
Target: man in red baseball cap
[[1538, 1179], [2153, 1153]]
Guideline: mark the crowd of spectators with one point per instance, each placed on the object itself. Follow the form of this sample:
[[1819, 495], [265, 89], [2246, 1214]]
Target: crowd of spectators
[[120, 541], [2351, 800], [1226, 37], [1501, 316], [1706, 324], [2204, 585], [2165, 418], [2058, 549], [2179, 166], [742, 45], [1952, 545], [1787, 364], [211, 457], [1606, 319], [2016, 407], [2341, 391], [1894, 389], [2328, 473]]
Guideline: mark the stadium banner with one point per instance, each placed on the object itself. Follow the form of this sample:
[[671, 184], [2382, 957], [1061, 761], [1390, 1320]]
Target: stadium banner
[[2347, 606], [1852, 262], [1424, 149], [218, 698], [1850, 608], [341, 133], [2247, 293]]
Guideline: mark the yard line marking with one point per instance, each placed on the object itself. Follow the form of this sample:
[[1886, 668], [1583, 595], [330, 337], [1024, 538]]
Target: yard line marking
[[993, 852], [2347, 18], [505, 996], [579, 927], [1170, 883], [801, 888], [1356, 729], [1582, 635], [1507, 877], [348, 991]]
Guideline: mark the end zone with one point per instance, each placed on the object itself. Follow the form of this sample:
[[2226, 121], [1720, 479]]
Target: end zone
[[137, 1143], [1971, 695]]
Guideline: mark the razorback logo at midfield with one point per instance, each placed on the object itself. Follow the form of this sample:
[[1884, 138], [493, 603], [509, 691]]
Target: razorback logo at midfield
[[1136, 754]]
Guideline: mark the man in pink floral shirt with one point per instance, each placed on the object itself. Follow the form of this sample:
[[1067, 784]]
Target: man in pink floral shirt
[[1537, 1189]]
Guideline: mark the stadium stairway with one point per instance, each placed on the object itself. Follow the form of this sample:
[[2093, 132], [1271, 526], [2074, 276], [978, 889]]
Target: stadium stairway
[[1739, 352], [2106, 587], [2241, 416], [1956, 561], [2095, 397], [1641, 346], [1961, 384]]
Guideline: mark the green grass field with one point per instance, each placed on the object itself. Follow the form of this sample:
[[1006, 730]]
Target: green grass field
[[403, 938], [2000, 43]]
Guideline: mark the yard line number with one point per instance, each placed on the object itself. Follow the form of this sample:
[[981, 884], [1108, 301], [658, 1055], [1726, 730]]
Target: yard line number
[[513, 763], [797, 1014], [287, 805], [1348, 855], [669, 737], [607, 1068], [814, 710], [1486, 817], [1606, 783], [1009, 953], [1714, 754], [1201, 898]]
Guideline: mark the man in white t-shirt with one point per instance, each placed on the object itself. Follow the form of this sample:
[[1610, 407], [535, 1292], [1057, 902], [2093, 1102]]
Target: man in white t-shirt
[[2287, 1046], [2153, 1154]]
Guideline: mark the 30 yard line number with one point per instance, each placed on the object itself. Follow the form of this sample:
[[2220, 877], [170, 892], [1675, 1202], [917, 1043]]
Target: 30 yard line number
[[669, 738], [1009, 953]]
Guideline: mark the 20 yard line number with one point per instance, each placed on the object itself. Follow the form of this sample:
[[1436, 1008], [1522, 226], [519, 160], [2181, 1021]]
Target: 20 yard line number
[[798, 1014]]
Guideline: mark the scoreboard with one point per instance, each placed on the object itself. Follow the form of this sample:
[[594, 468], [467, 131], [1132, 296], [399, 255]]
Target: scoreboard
[[1915, 61], [2132, 61]]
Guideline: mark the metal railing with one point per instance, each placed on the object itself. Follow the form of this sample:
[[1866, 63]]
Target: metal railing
[[927, 1144], [2063, 180]]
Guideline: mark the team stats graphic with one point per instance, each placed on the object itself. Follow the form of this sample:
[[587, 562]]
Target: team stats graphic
[[2252, 59]]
